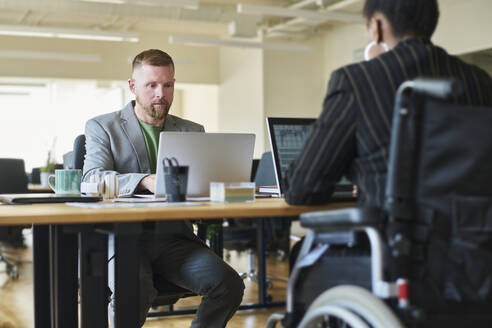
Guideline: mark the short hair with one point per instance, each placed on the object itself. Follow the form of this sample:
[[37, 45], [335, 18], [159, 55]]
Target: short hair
[[154, 57], [406, 16]]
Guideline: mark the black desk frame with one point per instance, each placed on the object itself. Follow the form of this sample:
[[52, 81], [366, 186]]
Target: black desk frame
[[55, 253]]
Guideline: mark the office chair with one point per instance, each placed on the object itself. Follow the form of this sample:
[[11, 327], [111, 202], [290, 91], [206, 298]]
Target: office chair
[[240, 234], [430, 245], [35, 176], [265, 173], [13, 180], [78, 154], [68, 160], [254, 169]]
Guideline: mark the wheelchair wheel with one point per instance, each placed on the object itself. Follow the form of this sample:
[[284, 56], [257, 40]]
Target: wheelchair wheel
[[355, 300], [332, 316]]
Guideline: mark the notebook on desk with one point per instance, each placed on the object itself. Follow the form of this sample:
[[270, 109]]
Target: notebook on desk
[[43, 198], [287, 137], [211, 157]]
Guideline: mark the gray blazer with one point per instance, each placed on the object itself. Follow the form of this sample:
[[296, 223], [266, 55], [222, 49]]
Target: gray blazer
[[115, 143]]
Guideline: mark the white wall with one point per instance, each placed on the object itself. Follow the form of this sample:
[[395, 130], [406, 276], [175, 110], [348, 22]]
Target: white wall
[[200, 105], [241, 94], [256, 84], [339, 44], [177, 105], [464, 26], [294, 83]]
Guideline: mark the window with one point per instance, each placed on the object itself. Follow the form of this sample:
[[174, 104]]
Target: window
[[36, 117]]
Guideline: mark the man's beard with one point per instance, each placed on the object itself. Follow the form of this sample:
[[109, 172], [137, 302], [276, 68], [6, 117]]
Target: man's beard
[[156, 113]]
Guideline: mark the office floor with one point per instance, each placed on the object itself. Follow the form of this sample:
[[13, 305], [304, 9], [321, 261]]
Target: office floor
[[16, 296]]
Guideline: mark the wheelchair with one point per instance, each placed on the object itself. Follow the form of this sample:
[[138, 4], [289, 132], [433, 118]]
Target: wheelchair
[[425, 258]]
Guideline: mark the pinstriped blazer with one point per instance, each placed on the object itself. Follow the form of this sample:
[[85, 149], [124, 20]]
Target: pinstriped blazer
[[351, 136]]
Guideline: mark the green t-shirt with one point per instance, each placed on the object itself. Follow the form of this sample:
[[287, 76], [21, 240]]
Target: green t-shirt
[[151, 136]]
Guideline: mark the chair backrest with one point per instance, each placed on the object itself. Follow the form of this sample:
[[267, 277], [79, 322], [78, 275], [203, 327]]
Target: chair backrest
[[440, 200], [254, 168], [78, 156], [68, 160], [35, 176], [265, 174], [454, 156], [13, 177]]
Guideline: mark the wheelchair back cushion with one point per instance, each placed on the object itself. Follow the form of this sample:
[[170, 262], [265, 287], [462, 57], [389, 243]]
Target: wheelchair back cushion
[[453, 197]]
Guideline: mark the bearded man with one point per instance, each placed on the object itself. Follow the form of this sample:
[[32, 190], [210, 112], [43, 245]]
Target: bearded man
[[126, 142]]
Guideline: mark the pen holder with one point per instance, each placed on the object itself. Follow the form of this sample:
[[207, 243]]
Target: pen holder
[[175, 179]]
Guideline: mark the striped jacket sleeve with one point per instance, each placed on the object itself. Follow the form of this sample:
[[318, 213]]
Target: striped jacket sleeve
[[328, 151]]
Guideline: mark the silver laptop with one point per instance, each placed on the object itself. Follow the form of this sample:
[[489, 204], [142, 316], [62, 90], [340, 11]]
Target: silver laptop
[[220, 157]]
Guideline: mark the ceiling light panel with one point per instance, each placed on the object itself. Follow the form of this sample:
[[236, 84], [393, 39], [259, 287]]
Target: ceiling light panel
[[19, 30], [57, 56], [319, 16], [190, 4], [195, 41]]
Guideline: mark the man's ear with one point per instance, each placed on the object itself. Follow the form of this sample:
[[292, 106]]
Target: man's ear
[[131, 85]]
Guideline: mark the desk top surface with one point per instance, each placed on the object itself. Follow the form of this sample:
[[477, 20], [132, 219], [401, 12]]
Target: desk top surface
[[64, 214]]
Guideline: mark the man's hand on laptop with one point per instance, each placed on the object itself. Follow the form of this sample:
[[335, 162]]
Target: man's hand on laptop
[[148, 183]]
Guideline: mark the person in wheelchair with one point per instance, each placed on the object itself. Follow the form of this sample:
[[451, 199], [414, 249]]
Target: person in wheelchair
[[352, 135]]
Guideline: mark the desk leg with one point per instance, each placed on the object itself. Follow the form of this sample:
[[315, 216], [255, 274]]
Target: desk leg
[[63, 272], [93, 279], [217, 239], [127, 276], [41, 275], [261, 253]]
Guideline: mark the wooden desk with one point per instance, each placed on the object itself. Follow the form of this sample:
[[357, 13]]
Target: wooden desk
[[37, 214], [59, 230]]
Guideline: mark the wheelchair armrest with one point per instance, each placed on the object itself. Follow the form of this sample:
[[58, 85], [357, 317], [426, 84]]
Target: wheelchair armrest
[[337, 219]]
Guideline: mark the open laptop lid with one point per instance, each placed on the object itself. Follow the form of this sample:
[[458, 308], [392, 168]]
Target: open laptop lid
[[287, 137], [220, 157]]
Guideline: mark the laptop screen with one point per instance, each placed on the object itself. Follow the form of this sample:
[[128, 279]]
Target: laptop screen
[[211, 157], [287, 138]]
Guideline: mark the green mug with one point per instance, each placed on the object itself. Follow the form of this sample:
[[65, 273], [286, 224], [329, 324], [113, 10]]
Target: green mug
[[66, 182]]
